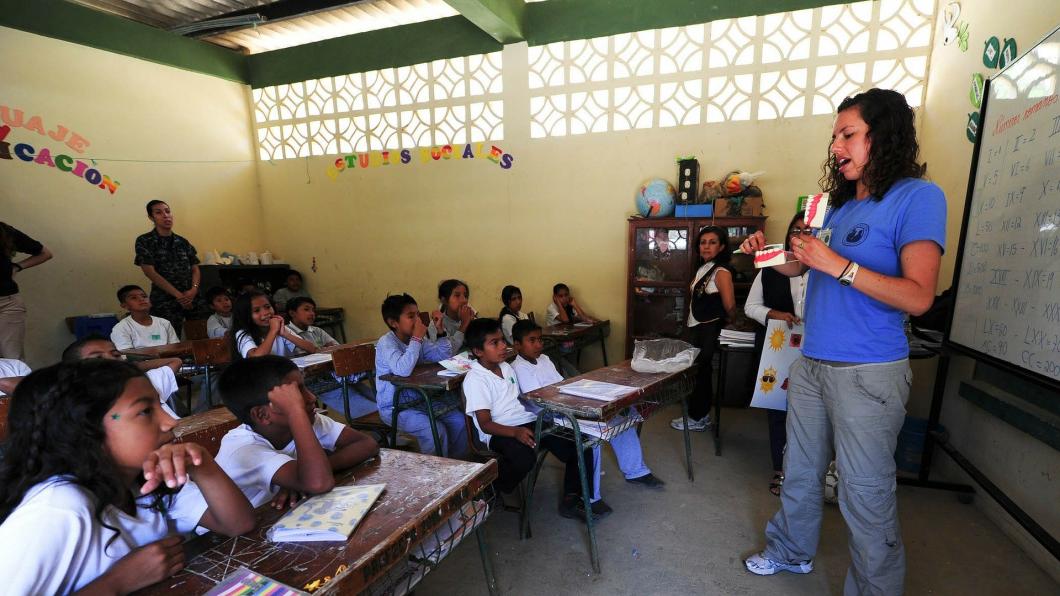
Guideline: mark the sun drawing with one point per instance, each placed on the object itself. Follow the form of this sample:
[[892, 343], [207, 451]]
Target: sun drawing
[[769, 378], [776, 340]]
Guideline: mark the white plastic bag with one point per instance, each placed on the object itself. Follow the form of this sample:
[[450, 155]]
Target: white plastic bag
[[663, 355]]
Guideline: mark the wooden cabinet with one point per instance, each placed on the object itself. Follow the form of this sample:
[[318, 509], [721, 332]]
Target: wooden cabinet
[[662, 261]]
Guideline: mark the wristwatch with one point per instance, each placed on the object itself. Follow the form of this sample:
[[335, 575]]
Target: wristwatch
[[847, 278]]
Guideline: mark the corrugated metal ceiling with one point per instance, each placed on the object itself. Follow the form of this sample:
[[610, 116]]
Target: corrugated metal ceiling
[[361, 17], [170, 13], [353, 17]]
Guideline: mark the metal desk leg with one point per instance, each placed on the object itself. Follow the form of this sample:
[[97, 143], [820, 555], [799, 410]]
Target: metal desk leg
[[594, 554], [524, 531], [603, 346], [346, 399], [434, 424], [688, 438], [487, 567], [723, 362]]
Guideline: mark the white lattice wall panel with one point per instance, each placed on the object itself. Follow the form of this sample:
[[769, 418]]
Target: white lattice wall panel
[[452, 101], [784, 65]]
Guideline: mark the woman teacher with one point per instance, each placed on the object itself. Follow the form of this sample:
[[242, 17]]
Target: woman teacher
[[875, 260]]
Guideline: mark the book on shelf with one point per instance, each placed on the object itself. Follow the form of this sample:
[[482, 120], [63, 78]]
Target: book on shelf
[[331, 516]]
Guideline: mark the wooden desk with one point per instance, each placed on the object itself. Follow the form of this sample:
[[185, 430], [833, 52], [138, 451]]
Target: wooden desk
[[5, 408], [653, 391], [205, 428], [181, 349], [579, 336], [422, 493], [322, 368], [427, 382]]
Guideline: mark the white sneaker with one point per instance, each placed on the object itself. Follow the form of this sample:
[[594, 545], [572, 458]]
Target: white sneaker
[[759, 564], [693, 424]]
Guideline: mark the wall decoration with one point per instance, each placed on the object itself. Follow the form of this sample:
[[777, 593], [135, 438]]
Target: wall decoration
[[1008, 52], [952, 29], [783, 346], [972, 127], [61, 162], [991, 52], [16, 118], [975, 94], [487, 151]]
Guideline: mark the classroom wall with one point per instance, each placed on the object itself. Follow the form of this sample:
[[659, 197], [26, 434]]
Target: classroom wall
[[1025, 468], [558, 214], [159, 131]]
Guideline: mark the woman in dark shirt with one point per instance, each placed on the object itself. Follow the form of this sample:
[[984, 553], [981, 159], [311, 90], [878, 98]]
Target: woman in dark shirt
[[12, 308]]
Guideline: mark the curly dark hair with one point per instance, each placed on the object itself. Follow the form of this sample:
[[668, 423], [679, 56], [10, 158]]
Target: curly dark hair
[[892, 155], [56, 423]]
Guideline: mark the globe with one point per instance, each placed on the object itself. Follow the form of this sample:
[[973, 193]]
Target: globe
[[655, 198]]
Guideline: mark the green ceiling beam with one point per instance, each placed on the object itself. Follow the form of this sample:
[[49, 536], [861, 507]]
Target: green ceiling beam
[[77, 24], [386, 48], [501, 19], [566, 20]]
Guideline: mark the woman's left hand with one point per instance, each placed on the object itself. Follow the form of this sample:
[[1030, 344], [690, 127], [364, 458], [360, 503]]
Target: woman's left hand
[[817, 255]]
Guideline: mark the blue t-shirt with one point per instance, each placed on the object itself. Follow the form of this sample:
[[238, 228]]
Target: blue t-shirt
[[844, 324]]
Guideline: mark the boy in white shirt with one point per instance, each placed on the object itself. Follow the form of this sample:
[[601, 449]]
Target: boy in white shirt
[[302, 313], [140, 329], [564, 308], [11, 372], [535, 369], [283, 444], [507, 427], [221, 320], [162, 372]]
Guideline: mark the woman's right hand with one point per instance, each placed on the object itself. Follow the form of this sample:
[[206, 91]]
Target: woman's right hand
[[790, 318], [146, 565], [753, 242]]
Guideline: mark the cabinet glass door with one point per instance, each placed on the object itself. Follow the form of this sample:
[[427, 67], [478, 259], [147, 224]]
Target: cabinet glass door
[[660, 255], [658, 312], [743, 265]]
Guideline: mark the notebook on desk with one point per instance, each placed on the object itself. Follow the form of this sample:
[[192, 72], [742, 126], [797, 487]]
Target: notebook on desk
[[600, 390], [332, 516]]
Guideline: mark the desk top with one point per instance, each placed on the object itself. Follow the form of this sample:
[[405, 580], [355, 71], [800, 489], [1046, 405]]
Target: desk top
[[325, 367], [426, 377], [594, 409], [180, 349], [563, 331], [422, 491]]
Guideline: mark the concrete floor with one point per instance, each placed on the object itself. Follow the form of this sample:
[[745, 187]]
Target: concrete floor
[[691, 538]]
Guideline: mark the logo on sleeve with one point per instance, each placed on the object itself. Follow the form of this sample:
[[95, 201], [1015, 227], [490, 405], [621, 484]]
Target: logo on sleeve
[[857, 235]]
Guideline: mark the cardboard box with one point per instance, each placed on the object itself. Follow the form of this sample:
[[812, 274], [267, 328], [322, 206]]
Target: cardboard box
[[752, 206]]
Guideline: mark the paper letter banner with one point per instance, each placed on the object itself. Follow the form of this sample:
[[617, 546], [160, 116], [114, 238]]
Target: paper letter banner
[[783, 346]]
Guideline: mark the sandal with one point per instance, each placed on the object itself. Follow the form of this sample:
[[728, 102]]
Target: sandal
[[776, 483]]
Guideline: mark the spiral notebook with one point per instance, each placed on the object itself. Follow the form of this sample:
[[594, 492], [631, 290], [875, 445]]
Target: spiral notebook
[[329, 517]]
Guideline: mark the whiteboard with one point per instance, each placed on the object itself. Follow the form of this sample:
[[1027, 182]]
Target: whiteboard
[[1007, 304]]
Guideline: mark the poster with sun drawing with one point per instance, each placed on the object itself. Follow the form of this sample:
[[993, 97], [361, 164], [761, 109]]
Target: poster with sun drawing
[[782, 347]]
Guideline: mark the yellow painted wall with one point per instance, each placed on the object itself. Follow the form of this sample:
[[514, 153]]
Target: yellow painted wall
[[128, 109], [559, 214], [1023, 467]]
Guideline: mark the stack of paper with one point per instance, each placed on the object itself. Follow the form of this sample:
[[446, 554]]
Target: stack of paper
[[328, 517], [731, 337], [597, 390], [311, 359]]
